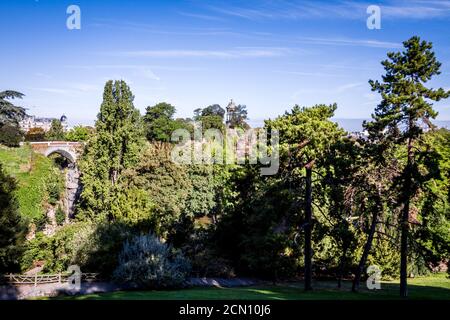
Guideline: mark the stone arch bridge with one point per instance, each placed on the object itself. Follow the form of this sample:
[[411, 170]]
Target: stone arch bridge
[[69, 150]]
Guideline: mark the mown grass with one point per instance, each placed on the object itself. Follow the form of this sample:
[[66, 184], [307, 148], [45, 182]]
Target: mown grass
[[31, 171], [436, 287]]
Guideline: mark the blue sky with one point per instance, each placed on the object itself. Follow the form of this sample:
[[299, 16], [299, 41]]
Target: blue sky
[[266, 54]]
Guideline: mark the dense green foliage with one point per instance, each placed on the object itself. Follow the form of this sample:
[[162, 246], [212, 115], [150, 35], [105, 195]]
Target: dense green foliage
[[211, 117], [338, 203], [12, 226], [406, 108], [79, 134], [113, 149], [10, 115], [10, 135], [56, 131], [39, 182], [159, 122]]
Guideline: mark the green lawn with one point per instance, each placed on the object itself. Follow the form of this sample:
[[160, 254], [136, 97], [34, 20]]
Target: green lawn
[[31, 171], [433, 287]]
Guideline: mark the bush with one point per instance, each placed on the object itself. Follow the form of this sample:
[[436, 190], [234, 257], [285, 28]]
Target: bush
[[54, 185], [60, 216], [146, 262]]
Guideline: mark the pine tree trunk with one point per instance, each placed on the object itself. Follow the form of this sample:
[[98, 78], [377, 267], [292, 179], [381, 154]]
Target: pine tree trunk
[[367, 246], [342, 265], [405, 224], [308, 229]]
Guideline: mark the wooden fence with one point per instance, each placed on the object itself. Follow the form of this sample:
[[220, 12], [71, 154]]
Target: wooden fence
[[47, 278]]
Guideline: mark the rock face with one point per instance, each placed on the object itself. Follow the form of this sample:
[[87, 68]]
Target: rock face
[[51, 226], [73, 190]]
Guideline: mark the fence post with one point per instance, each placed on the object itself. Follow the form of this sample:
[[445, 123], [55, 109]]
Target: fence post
[[35, 280], [59, 278]]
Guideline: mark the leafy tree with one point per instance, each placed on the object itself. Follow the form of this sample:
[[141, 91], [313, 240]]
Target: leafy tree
[[213, 110], [56, 132], [113, 149], [9, 113], [211, 117], [80, 134], [12, 227], [157, 175], [160, 124], [306, 134], [406, 108], [35, 134]]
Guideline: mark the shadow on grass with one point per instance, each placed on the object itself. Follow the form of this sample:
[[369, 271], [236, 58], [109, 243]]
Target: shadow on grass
[[291, 291]]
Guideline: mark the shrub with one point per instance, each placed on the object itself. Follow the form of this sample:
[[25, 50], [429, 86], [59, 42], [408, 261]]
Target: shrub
[[147, 262], [54, 186], [60, 216]]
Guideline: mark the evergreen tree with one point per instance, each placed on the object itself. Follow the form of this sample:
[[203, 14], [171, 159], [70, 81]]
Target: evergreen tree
[[56, 132], [12, 227], [113, 149], [406, 108], [306, 135], [9, 113], [239, 117]]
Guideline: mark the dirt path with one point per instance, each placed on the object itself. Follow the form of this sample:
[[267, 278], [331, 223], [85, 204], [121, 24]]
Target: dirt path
[[54, 289]]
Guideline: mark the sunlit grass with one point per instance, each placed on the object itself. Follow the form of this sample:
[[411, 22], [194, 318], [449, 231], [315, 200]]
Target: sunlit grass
[[31, 171], [432, 287]]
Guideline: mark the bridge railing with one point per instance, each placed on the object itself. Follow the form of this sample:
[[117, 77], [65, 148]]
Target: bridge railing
[[19, 279]]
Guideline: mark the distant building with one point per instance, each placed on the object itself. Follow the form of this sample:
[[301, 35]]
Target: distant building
[[44, 123], [231, 109]]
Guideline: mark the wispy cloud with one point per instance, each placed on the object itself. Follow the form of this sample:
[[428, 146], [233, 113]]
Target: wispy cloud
[[137, 70], [311, 74], [157, 29], [52, 90], [266, 9], [349, 42], [200, 16], [70, 89], [327, 91], [223, 54]]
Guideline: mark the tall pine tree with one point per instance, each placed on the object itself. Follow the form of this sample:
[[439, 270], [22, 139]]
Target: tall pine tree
[[405, 110]]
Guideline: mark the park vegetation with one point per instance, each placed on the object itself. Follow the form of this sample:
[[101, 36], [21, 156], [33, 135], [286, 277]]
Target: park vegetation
[[338, 204]]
